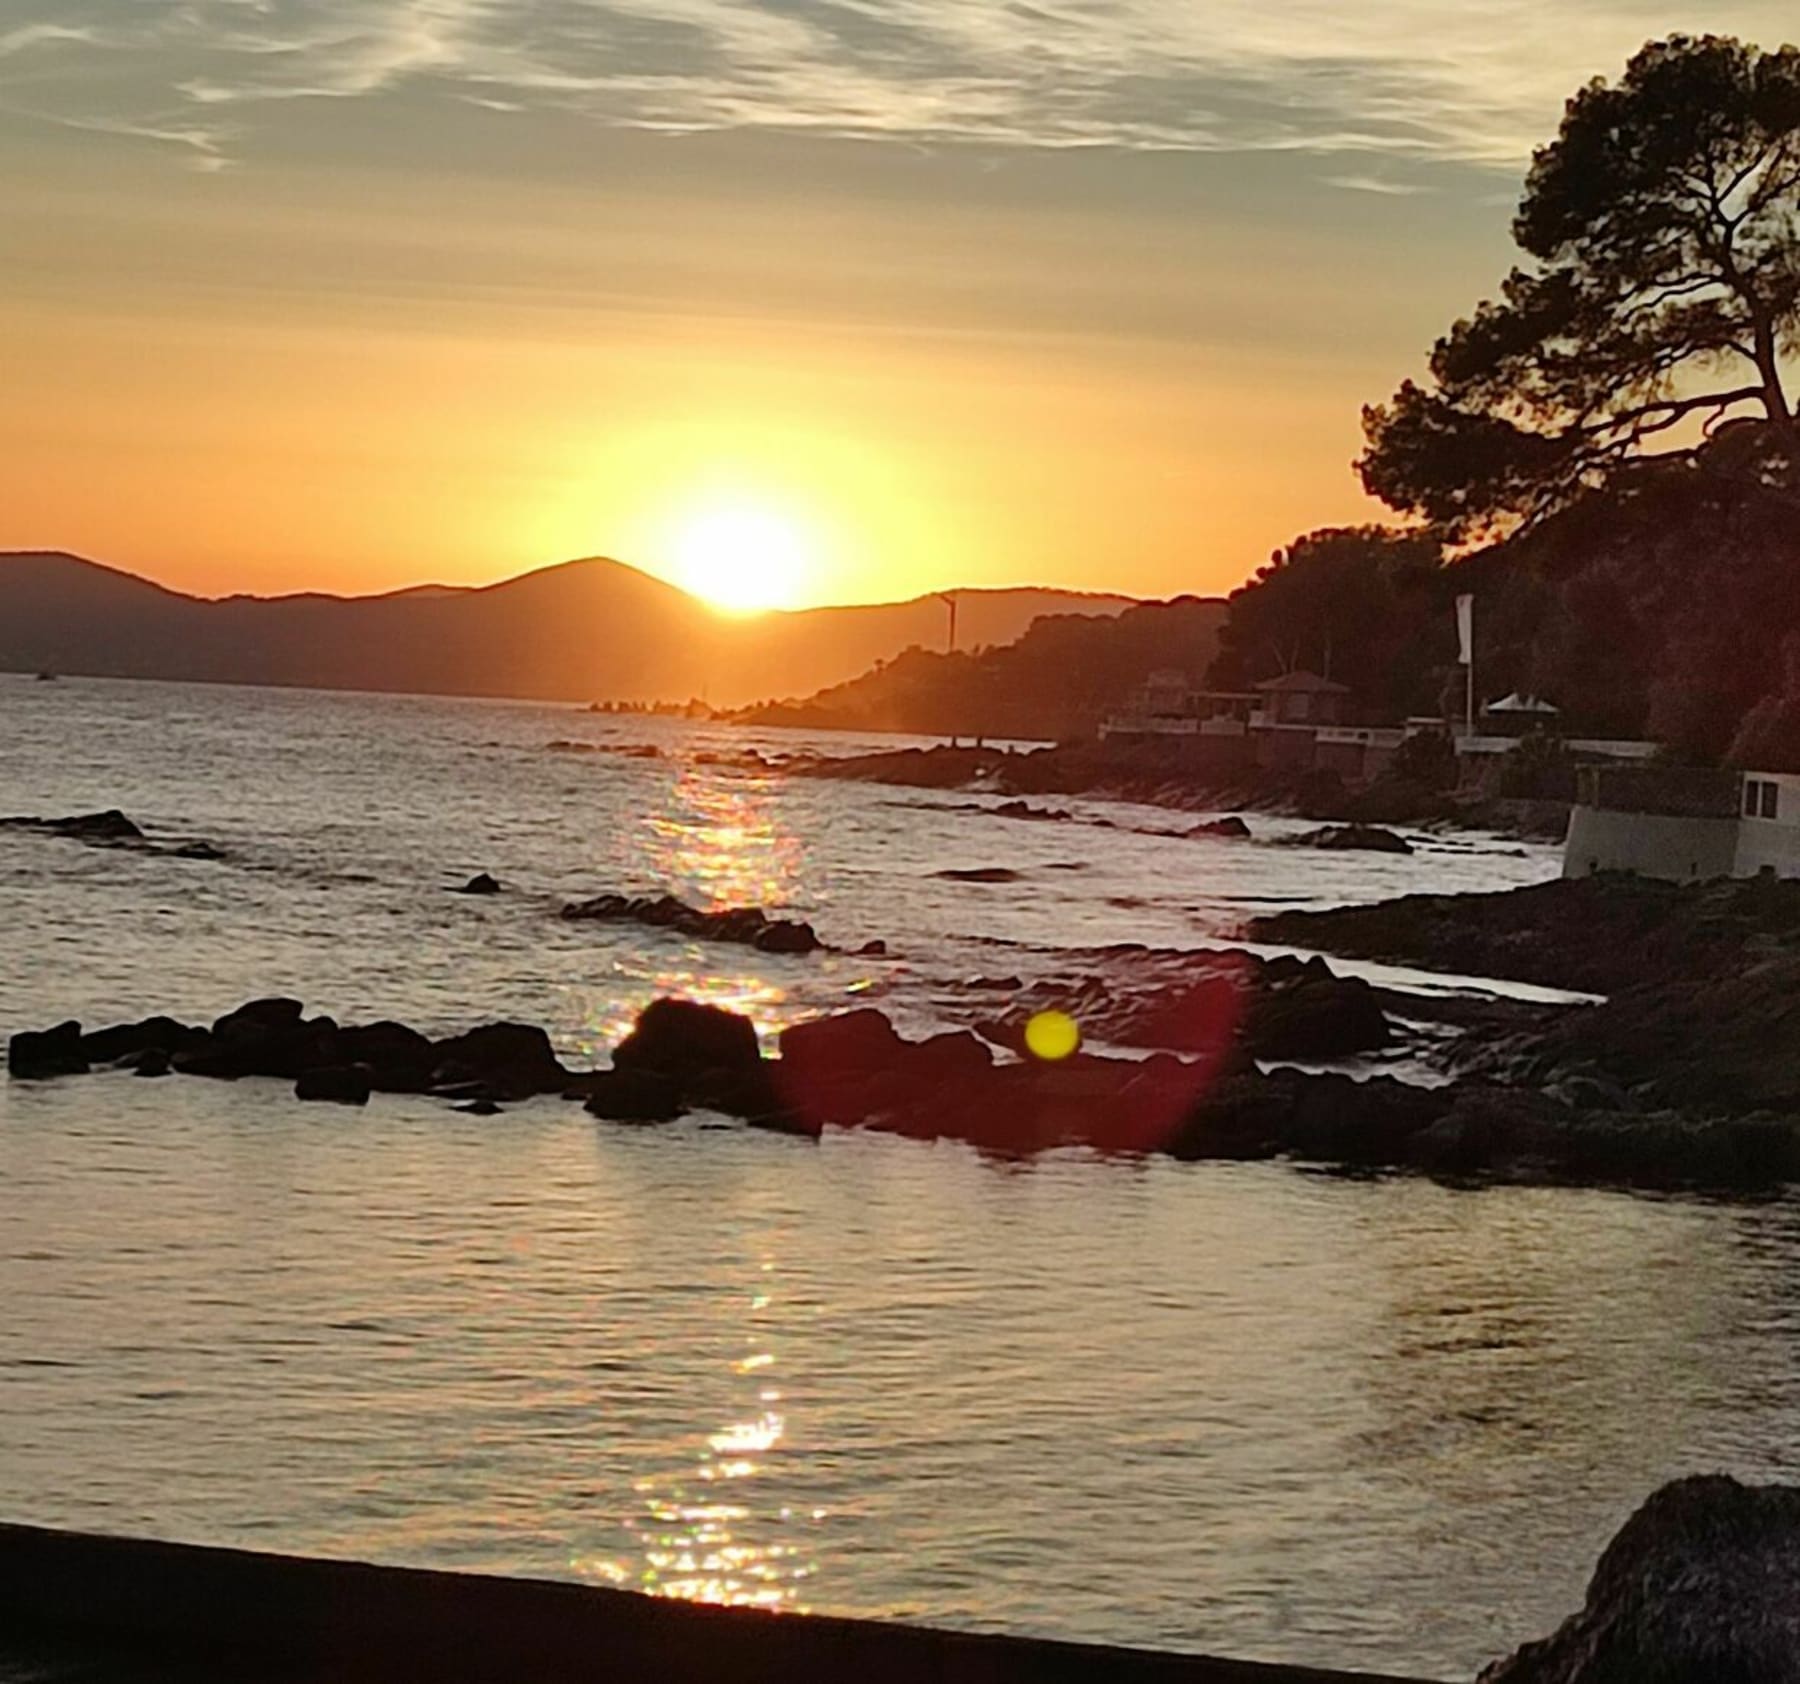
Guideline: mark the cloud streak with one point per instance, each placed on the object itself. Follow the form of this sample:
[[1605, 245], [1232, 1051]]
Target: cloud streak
[[1398, 81]]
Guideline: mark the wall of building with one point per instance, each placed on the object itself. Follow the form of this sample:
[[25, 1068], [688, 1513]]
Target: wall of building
[[1679, 850]]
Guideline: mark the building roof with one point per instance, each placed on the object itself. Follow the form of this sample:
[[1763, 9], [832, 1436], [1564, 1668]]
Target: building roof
[[1307, 681], [1515, 703]]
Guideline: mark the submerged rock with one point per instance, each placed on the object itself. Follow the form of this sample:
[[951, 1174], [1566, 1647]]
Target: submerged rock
[[748, 926], [632, 1096], [480, 884], [979, 874], [1701, 1586], [1230, 827], [1367, 838], [109, 826]]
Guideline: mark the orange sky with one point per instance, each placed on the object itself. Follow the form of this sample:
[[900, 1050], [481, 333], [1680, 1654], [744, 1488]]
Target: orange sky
[[386, 333]]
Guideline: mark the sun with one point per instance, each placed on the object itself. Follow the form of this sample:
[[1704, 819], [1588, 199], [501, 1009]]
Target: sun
[[741, 558]]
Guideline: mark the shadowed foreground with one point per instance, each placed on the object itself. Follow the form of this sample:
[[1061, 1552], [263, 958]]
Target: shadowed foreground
[[78, 1607]]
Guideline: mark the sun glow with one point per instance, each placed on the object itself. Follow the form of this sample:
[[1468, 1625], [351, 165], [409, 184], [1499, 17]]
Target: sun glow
[[742, 558]]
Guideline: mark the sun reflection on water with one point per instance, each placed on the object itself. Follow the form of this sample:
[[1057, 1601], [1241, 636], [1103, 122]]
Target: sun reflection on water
[[718, 841], [701, 1536]]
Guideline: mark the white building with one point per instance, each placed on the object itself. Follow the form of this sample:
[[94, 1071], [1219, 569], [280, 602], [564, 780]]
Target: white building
[[1685, 826]]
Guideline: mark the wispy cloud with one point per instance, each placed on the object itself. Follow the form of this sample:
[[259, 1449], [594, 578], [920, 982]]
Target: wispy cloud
[[1396, 80]]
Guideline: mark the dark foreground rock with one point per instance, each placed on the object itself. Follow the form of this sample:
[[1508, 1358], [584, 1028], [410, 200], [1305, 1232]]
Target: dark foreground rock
[[747, 926], [1701, 1586], [480, 884]]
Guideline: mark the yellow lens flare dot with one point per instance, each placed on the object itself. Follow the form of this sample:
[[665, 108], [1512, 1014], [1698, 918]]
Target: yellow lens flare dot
[[1052, 1036]]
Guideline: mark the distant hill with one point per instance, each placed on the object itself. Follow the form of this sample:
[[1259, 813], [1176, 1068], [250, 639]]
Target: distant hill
[[585, 630], [1057, 682]]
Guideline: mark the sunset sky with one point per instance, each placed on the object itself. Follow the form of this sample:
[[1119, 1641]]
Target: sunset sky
[[354, 294]]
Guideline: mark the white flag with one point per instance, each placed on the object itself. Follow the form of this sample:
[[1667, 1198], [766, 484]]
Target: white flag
[[1465, 630]]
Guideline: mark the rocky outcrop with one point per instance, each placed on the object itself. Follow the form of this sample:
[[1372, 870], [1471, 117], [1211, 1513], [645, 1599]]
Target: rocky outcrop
[[747, 926], [1599, 934], [112, 829], [1229, 828], [1363, 838], [110, 826], [1701, 1586]]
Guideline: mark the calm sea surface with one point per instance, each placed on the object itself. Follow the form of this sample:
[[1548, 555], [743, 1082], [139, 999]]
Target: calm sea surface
[[1248, 1409]]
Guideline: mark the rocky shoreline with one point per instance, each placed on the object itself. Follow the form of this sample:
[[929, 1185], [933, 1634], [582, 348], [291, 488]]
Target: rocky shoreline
[[1626, 1093], [1150, 778]]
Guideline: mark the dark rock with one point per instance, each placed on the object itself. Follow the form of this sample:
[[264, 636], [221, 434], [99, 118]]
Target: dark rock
[[399, 1058], [747, 925], [680, 1037], [259, 1016], [125, 1041], [876, 949], [152, 1061], [514, 1060], [340, 1084], [478, 1108], [1365, 837], [1316, 1017], [785, 937], [196, 851], [480, 884], [846, 1044], [37, 1055], [1701, 1586], [263, 1038], [632, 1096], [980, 874], [1230, 827], [110, 826]]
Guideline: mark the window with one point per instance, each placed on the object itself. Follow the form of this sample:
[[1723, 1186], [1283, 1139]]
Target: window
[[1771, 798], [1752, 796]]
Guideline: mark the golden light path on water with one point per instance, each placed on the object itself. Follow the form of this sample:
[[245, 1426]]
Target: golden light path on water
[[701, 1536], [715, 842]]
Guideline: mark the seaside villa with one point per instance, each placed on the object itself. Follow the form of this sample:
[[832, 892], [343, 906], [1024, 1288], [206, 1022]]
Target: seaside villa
[[1684, 825]]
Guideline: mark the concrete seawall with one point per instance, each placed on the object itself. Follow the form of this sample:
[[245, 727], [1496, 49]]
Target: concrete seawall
[[84, 1604], [1679, 850]]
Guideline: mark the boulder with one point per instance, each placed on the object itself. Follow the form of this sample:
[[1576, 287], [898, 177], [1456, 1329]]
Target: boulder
[[339, 1084], [846, 1044], [1316, 1016], [480, 884], [1701, 1586], [152, 1061], [258, 1017], [830, 1067], [632, 1096], [511, 1060], [786, 936], [130, 1041], [680, 1038], [266, 1037], [1367, 838], [399, 1058], [36, 1055], [1230, 827]]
